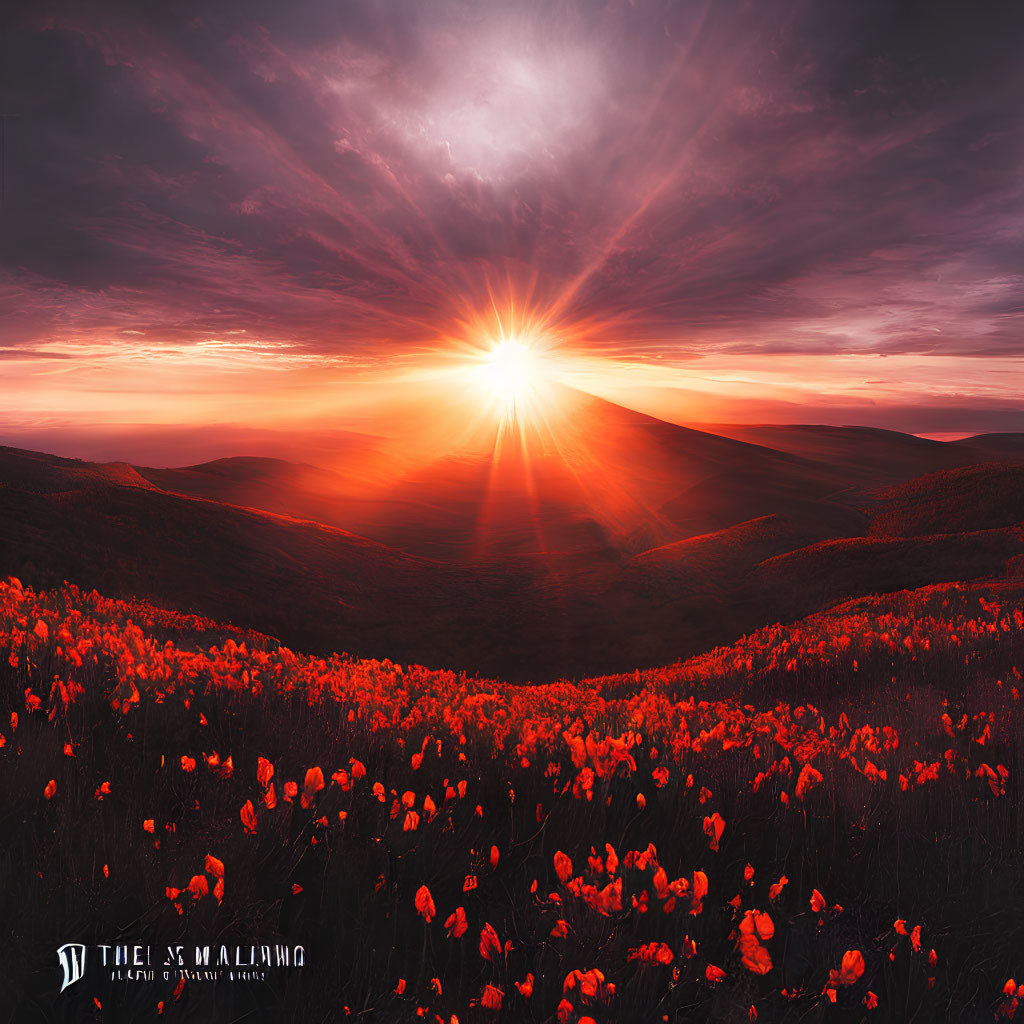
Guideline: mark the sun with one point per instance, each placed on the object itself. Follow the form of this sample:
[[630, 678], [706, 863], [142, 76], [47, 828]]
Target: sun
[[512, 377], [513, 371], [509, 376]]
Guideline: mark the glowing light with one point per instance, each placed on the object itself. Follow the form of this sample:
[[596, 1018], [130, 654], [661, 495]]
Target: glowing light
[[514, 372], [502, 374]]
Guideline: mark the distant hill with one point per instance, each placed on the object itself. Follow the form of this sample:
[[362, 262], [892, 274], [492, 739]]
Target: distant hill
[[50, 474], [594, 479], [981, 497], [869, 455], [726, 552], [994, 445], [817, 576]]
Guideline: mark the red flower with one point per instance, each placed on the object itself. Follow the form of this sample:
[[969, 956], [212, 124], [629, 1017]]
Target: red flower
[[808, 777], [248, 816], [489, 943], [713, 829], [425, 904], [456, 924], [312, 785], [198, 887], [563, 867], [851, 969], [491, 997], [754, 956]]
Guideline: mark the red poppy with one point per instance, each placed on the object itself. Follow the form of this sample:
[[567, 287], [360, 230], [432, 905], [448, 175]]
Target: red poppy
[[850, 970], [312, 785], [198, 887], [456, 924], [563, 867], [491, 998], [424, 903], [714, 826], [808, 777], [248, 816], [490, 946]]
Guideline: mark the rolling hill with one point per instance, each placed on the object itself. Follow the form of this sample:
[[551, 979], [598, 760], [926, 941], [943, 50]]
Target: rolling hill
[[594, 476], [982, 497], [607, 541], [873, 456]]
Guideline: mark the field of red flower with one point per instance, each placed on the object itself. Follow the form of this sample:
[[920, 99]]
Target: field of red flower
[[821, 821]]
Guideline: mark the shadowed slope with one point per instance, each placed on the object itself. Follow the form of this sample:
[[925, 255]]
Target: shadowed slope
[[869, 455], [974, 498]]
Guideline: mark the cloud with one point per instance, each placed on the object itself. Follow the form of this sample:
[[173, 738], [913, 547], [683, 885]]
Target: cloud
[[660, 179]]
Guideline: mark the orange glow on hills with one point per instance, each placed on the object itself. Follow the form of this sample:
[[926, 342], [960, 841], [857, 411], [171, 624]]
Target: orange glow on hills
[[511, 428]]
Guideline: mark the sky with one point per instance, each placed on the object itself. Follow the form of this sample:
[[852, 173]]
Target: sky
[[261, 213]]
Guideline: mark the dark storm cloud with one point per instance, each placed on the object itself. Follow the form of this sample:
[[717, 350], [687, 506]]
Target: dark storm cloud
[[671, 177]]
